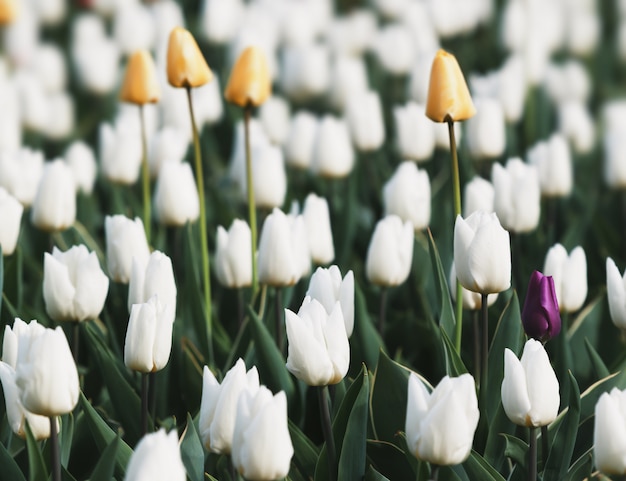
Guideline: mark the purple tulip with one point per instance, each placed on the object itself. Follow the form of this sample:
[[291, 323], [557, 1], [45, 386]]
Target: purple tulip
[[540, 315]]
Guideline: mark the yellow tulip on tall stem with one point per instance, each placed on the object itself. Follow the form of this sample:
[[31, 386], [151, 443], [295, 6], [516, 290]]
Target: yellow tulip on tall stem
[[249, 86], [187, 68]]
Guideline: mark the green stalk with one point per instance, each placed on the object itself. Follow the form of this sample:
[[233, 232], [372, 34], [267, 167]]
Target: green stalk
[[323, 396], [484, 371], [532, 455], [203, 235], [247, 111], [145, 176], [456, 186], [144, 403], [54, 450]]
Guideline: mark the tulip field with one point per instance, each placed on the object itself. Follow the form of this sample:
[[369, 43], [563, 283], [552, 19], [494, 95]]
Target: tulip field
[[313, 240]]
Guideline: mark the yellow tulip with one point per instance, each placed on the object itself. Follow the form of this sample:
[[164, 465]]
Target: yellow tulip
[[186, 66], [448, 96], [8, 11], [249, 83], [140, 83]]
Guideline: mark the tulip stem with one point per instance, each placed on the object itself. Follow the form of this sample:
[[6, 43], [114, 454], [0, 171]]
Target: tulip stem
[[434, 472], [477, 355], [383, 310], [203, 235], [484, 370], [532, 455], [323, 397], [278, 307], [240, 307], [247, 111], [145, 175], [456, 187], [75, 341], [54, 450], [144, 403], [545, 444]]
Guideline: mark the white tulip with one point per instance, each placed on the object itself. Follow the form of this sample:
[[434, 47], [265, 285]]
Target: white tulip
[[221, 19], [233, 257], [258, 140], [154, 278], [34, 104], [327, 287], [333, 155], [407, 195], [577, 125], [49, 66], [305, 71], [318, 229], [300, 243], [472, 301], [609, 432], [120, 153], [486, 131], [395, 49], [208, 105], [149, 335], [54, 207], [133, 28], [176, 195], [22, 36], [616, 293], [169, 144], [81, 159], [74, 286], [440, 425], [125, 240], [348, 76], [319, 352], [512, 88], [354, 33], [478, 194], [298, 25], [530, 389], [415, 132], [20, 173], [614, 165], [269, 177], [156, 458], [517, 195], [60, 119], [570, 276], [482, 253], [390, 253], [554, 165], [569, 81], [392, 9], [275, 119], [301, 139], [218, 408], [262, 447], [420, 76], [10, 121], [365, 118], [50, 12], [10, 219]]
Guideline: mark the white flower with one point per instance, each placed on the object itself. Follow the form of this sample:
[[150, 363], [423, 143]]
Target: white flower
[[301, 139], [333, 155], [275, 119], [10, 219], [616, 293], [318, 229], [407, 195], [570, 276], [354, 33], [221, 19], [74, 286], [472, 301], [365, 118], [120, 153], [512, 88], [269, 177], [133, 28], [169, 144], [440, 425], [554, 165], [319, 352], [49, 66], [155, 277], [348, 76], [54, 207], [50, 12], [305, 71], [20, 173], [478, 194], [609, 432], [59, 122], [327, 287], [577, 125], [530, 389], [615, 144], [415, 132], [176, 195], [390, 253], [486, 133], [125, 240], [395, 49], [233, 256], [81, 159], [258, 140], [156, 458]]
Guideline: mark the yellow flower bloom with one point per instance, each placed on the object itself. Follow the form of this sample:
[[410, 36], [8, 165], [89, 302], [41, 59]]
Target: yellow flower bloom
[[140, 83], [448, 95], [8, 11], [186, 66], [249, 82]]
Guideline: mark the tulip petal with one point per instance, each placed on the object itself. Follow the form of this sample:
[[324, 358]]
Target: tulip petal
[[609, 436], [58, 291], [616, 294], [542, 384], [514, 391]]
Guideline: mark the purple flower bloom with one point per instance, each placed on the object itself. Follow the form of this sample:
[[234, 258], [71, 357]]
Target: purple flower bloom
[[540, 315]]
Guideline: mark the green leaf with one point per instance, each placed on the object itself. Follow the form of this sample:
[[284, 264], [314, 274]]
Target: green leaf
[[192, 452], [446, 314], [494, 450], [106, 464], [454, 364], [477, 468], [372, 475], [516, 449], [582, 468], [65, 438], [352, 460], [394, 461], [36, 466], [563, 445], [8, 466], [305, 452], [365, 343], [599, 368]]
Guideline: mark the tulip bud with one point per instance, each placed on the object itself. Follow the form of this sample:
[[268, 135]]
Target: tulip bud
[[554, 166], [140, 84], [268, 176], [319, 230], [348, 76], [149, 335], [262, 447], [440, 425], [45, 372], [390, 252], [96, 58], [540, 315], [407, 195], [233, 259], [250, 82], [10, 219], [333, 155], [54, 207], [274, 117], [9, 10], [482, 253], [301, 140], [616, 293], [186, 67], [319, 352], [155, 277], [478, 195], [472, 301], [169, 144], [365, 118], [530, 389], [327, 287], [305, 72], [120, 153], [125, 240], [258, 141], [415, 132], [486, 131], [74, 286], [20, 174], [570, 276], [448, 96], [577, 125], [133, 27], [80, 157], [609, 442], [156, 458], [218, 408], [221, 19], [176, 195], [395, 49]]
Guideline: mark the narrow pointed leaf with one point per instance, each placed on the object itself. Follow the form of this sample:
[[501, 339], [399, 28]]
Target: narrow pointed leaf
[[352, 462], [446, 311], [106, 464], [389, 398], [8, 466], [192, 452], [36, 465]]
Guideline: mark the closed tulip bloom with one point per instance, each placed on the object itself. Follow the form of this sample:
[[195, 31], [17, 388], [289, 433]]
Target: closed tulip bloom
[[54, 208], [221, 19], [96, 63], [305, 72], [407, 195], [609, 433], [133, 27], [440, 425], [186, 66], [10, 219], [218, 408], [448, 96], [169, 144], [81, 159], [262, 450], [365, 118], [472, 301], [141, 85], [301, 140], [74, 286], [478, 195], [258, 141], [348, 75], [268, 176], [319, 352], [616, 293], [482, 253], [125, 240], [554, 165], [486, 132], [21, 172], [250, 83], [390, 252], [570, 276], [540, 315], [149, 335], [327, 287], [319, 230], [278, 263], [45, 372], [415, 132], [333, 155], [156, 458], [300, 243], [120, 153], [614, 142], [176, 195], [530, 389], [275, 119], [577, 125], [395, 49], [233, 259], [517, 198], [155, 277]]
